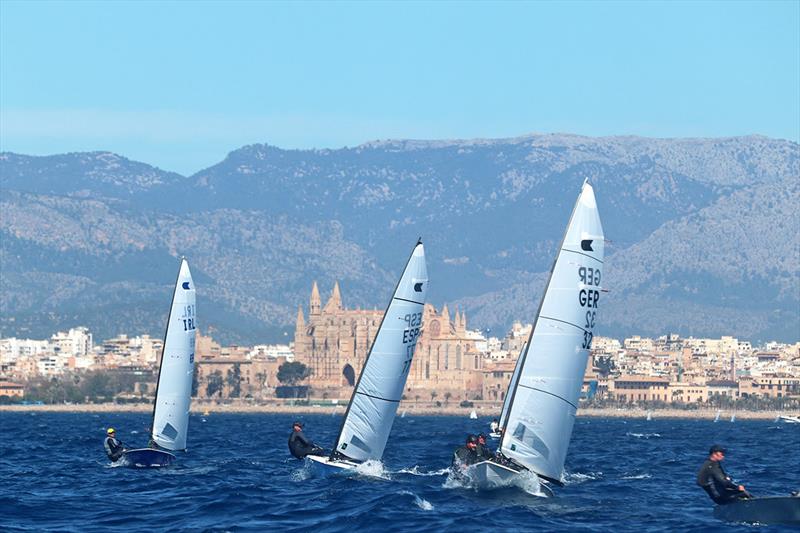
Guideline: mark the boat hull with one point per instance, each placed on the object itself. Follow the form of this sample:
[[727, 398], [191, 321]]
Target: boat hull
[[768, 510], [146, 458], [332, 465], [489, 475]]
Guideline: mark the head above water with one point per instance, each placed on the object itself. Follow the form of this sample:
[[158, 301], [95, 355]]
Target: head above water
[[297, 425], [716, 453]]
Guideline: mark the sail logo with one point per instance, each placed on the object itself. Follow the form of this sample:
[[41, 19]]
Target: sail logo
[[418, 287], [185, 286], [586, 245]]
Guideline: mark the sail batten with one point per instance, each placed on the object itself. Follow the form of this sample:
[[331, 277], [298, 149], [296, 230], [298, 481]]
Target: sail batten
[[379, 389], [174, 387], [544, 396]]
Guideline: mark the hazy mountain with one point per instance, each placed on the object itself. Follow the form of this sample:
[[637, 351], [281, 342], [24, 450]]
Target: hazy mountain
[[706, 237]]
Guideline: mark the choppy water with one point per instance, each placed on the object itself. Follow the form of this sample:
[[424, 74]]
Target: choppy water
[[623, 475]]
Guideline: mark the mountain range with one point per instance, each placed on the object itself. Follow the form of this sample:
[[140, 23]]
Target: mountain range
[[704, 234]]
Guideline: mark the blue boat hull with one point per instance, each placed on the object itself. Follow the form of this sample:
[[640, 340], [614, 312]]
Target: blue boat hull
[[769, 510], [146, 458]]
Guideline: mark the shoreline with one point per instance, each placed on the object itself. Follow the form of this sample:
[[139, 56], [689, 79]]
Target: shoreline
[[482, 411]]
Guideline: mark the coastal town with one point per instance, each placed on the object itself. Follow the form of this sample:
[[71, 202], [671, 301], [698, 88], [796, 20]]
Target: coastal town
[[453, 365]]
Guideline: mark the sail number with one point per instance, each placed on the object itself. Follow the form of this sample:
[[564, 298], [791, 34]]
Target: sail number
[[413, 322], [188, 318], [589, 298], [410, 336]]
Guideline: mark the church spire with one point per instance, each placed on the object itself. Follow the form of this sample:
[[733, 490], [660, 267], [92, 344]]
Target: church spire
[[301, 321], [335, 303], [316, 301], [446, 314], [336, 297]]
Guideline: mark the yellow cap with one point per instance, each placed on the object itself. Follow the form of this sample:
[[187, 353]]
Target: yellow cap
[[110, 431]]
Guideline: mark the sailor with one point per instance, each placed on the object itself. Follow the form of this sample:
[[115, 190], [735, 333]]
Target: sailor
[[466, 455], [299, 445], [481, 450], [716, 482], [494, 426], [114, 447]]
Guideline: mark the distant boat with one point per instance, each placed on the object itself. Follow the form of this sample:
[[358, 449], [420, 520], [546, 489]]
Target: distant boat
[[790, 419], [403, 414], [716, 418], [733, 418], [649, 415], [473, 415], [174, 385], [377, 394], [543, 398]]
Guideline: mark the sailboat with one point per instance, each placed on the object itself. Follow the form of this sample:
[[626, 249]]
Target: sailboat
[[543, 399], [473, 415], [174, 385], [733, 418], [379, 389], [716, 418], [649, 416]]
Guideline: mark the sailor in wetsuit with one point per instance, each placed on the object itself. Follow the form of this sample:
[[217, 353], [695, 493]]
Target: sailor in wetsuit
[[466, 455], [299, 445], [481, 450], [114, 448], [716, 482]]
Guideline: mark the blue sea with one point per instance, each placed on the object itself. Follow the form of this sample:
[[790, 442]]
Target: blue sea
[[622, 475]]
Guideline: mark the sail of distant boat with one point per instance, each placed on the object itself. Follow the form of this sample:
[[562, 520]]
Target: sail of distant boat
[[544, 398], [377, 394], [174, 385], [716, 418]]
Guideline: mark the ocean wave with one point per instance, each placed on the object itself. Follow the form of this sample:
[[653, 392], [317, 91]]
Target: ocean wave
[[637, 476], [576, 478], [422, 503], [415, 471], [644, 435]]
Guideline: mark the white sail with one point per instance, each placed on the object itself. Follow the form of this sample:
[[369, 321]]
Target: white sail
[[511, 386], [543, 403], [174, 389], [377, 394]]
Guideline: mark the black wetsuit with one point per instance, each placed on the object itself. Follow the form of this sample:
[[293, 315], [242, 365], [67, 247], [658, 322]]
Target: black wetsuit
[[300, 446], [114, 448], [483, 452], [463, 456], [718, 484]]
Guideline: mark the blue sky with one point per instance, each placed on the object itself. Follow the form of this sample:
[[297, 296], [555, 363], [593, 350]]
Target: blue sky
[[179, 85]]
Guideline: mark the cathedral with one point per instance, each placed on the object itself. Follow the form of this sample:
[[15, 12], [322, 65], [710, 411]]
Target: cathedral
[[334, 343]]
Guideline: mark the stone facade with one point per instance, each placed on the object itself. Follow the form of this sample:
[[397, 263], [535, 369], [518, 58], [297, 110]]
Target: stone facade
[[335, 341]]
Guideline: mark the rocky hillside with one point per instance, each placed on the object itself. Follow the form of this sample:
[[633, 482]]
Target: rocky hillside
[[706, 238]]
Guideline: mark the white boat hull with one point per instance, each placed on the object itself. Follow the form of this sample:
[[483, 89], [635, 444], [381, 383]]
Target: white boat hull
[[494, 435], [789, 419], [333, 464], [488, 475]]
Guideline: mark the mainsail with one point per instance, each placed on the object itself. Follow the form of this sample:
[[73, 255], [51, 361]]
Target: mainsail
[[377, 393], [543, 403], [511, 386], [174, 388]]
